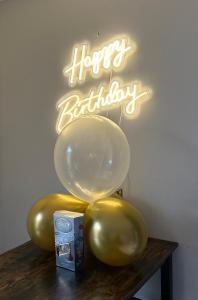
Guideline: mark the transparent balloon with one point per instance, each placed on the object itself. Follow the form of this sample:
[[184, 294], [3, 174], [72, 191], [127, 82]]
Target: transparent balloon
[[92, 157]]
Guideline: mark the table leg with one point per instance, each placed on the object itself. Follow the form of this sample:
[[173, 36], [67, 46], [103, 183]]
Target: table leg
[[167, 280]]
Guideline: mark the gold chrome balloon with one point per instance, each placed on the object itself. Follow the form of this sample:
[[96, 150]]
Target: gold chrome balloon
[[40, 217], [115, 231]]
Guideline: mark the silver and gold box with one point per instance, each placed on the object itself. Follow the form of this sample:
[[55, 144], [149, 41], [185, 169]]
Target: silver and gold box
[[69, 242]]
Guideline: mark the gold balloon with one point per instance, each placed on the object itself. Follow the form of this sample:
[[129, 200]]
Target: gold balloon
[[40, 217], [115, 231]]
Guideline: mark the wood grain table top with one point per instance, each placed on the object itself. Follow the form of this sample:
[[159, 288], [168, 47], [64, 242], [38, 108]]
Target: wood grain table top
[[28, 273]]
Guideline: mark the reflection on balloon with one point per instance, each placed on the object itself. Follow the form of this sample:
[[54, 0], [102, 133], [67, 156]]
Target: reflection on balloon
[[92, 157], [40, 217], [115, 231]]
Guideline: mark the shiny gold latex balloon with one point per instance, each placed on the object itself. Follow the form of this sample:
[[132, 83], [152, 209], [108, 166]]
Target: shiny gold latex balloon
[[115, 231], [40, 217]]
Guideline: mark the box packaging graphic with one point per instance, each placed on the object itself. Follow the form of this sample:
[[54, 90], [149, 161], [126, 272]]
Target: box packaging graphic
[[69, 242]]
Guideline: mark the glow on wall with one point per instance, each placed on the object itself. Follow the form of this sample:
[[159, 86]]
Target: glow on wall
[[109, 57]]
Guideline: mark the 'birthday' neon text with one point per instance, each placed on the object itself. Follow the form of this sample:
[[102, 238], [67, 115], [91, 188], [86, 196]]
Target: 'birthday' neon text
[[129, 96]]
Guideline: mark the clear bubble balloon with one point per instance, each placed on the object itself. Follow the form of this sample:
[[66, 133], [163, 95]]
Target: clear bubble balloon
[[92, 157]]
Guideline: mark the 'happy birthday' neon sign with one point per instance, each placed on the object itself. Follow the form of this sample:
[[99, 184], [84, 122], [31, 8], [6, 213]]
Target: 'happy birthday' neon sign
[[110, 57]]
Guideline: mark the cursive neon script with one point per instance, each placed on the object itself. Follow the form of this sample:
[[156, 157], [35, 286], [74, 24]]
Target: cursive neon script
[[129, 96], [110, 57]]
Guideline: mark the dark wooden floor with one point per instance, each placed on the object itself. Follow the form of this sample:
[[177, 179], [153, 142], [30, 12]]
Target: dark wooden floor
[[28, 273]]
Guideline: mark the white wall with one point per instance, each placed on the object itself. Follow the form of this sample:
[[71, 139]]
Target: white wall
[[36, 37]]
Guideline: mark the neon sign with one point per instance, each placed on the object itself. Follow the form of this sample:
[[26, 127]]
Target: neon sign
[[110, 57], [129, 96]]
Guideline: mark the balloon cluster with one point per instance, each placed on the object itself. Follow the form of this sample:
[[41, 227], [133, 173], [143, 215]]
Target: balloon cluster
[[92, 159]]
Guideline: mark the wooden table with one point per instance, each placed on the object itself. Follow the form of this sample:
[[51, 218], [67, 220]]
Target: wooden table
[[28, 273]]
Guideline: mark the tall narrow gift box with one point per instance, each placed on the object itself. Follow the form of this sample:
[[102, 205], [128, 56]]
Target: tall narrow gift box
[[69, 242]]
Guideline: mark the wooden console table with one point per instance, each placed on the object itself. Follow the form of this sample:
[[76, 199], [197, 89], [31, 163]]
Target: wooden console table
[[27, 273]]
